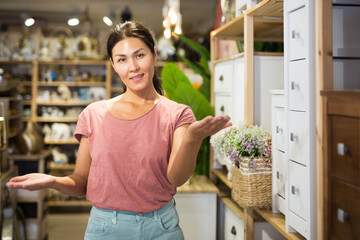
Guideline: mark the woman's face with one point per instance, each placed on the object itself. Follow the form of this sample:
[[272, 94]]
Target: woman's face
[[134, 63]]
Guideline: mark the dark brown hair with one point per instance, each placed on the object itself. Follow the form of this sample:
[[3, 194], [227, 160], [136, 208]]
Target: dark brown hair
[[137, 30]]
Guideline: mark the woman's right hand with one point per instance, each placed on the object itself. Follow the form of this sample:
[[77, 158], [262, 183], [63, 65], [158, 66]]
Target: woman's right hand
[[32, 181]]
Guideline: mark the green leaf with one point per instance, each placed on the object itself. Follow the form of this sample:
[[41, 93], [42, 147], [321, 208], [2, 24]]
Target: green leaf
[[179, 89], [195, 46], [205, 86]]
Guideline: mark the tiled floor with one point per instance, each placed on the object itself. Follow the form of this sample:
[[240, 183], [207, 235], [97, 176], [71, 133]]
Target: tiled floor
[[67, 226]]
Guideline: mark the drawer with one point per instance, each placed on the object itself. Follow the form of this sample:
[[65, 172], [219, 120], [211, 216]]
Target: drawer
[[299, 190], [278, 130], [223, 76], [345, 211], [298, 137], [294, 4], [299, 85], [223, 105], [280, 172], [278, 100], [344, 161], [298, 34], [233, 226]]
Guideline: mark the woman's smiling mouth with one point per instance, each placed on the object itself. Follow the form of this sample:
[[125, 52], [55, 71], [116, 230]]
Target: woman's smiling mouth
[[137, 77]]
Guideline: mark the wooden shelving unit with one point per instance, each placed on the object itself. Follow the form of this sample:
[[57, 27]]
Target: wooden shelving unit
[[263, 22]]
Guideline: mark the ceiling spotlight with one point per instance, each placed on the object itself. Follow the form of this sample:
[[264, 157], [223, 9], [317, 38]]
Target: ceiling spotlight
[[107, 21], [73, 21], [29, 22]]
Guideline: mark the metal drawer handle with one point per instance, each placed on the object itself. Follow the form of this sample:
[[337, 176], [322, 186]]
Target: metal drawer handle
[[295, 86], [293, 137], [342, 149], [294, 190], [278, 129], [342, 216], [233, 230], [221, 78], [279, 175], [222, 108], [295, 34]]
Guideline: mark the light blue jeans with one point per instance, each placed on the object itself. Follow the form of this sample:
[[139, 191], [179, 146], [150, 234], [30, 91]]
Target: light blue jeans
[[162, 224]]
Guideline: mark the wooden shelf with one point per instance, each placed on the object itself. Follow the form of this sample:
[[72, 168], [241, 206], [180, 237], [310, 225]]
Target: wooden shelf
[[272, 8], [60, 119], [73, 62], [64, 103], [69, 203], [268, 23], [198, 184], [222, 175], [30, 157], [14, 62], [234, 207], [70, 84], [62, 142], [54, 166], [26, 83], [277, 220]]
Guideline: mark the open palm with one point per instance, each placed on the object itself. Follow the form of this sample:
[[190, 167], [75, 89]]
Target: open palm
[[208, 126], [32, 181]]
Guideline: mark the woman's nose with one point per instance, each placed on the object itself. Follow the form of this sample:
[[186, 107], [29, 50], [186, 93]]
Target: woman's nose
[[133, 65]]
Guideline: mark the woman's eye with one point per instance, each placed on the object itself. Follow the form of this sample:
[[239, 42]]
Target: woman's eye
[[121, 60], [140, 55]]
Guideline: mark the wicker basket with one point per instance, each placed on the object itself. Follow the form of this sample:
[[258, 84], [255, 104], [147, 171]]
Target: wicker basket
[[252, 187]]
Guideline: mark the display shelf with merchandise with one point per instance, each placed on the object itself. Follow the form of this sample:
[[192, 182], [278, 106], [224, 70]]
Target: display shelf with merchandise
[[236, 92]]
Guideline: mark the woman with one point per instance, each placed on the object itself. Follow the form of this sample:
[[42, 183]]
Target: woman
[[135, 149]]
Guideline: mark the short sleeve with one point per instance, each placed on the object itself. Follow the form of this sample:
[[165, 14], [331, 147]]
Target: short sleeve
[[186, 116], [83, 125]]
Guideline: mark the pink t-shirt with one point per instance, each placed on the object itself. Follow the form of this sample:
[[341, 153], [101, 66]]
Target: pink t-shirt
[[130, 157]]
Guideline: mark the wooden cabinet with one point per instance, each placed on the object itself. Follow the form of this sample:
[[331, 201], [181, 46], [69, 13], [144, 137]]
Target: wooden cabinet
[[338, 56], [342, 166], [241, 87]]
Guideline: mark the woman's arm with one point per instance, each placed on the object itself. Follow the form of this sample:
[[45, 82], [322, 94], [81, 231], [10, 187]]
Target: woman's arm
[[186, 143], [74, 185]]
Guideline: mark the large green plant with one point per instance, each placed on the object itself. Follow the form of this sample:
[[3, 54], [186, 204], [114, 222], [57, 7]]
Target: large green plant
[[179, 88]]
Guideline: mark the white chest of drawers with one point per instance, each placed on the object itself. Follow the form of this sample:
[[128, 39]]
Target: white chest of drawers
[[279, 166], [300, 121], [229, 88]]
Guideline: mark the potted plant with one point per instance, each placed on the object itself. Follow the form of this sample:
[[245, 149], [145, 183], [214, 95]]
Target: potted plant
[[248, 148]]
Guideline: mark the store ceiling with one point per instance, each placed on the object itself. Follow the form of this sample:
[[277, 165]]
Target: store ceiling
[[197, 15]]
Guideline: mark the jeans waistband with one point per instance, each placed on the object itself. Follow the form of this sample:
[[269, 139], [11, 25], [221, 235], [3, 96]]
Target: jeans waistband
[[111, 213]]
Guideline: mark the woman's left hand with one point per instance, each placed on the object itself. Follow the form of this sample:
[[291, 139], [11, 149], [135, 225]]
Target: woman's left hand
[[208, 126]]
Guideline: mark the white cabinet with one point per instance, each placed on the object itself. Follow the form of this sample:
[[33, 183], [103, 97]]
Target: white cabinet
[[300, 130], [233, 226], [279, 163], [229, 88], [196, 206]]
